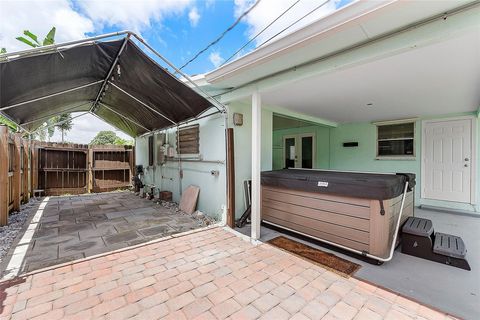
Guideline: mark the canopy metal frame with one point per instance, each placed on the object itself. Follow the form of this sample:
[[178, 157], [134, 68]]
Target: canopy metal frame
[[127, 35], [72, 109], [59, 122], [125, 117], [109, 74], [143, 103], [50, 95]]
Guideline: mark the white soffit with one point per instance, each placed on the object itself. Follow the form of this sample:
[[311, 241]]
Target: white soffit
[[437, 79], [358, 22]]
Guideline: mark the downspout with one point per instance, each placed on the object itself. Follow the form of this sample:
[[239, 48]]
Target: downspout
[[179, 162], [227, 168]]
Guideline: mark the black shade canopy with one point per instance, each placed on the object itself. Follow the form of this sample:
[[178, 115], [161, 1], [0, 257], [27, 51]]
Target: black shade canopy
[[139, 96]]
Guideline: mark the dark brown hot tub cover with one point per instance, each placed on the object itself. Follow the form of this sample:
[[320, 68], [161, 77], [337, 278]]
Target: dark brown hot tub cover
[[30, 77], [351, 184]]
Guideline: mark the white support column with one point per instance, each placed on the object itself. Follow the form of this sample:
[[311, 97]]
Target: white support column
[[256, 163]]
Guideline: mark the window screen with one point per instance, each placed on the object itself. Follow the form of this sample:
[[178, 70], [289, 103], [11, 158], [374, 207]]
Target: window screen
[[396, 139], [189, 140]]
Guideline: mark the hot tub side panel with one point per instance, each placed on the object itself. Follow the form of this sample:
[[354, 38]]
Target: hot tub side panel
[[382, 227], [343, 220]]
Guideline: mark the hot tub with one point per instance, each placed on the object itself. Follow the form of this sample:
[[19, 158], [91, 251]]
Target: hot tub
[[353, 210]]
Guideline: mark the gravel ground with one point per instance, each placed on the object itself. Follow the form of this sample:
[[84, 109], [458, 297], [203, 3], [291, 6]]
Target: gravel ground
[[203, 219], [16, 220]]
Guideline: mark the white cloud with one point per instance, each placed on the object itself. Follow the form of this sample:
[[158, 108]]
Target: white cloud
[[73, 23], [215, 58], [85, 128], [268, 10], [133, 15], [193, 16], [209, 3], [39, 17]]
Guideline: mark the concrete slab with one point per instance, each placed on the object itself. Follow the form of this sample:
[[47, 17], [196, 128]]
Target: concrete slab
[[81, 226], [157, 231], [121, 237]]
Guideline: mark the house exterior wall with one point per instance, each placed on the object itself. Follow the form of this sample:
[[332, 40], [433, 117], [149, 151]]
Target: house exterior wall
[[330, 154], [243, 148], [212, 197]]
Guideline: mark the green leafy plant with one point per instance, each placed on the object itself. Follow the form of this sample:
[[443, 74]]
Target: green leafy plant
[[109, 137], [10, 124], [64, 120], [32, 39]]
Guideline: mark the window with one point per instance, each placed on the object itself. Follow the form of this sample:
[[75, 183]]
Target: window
[[189, 140], [396, 140]]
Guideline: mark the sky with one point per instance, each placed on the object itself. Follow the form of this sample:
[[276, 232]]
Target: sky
[[178, 29]]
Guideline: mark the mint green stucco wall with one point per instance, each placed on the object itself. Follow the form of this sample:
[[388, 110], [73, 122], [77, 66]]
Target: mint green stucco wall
[[363, 157], [243, 148], [212, 196]]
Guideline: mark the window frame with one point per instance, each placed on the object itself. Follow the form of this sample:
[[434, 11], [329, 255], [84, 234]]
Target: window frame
[[177, 142], [396, 157]]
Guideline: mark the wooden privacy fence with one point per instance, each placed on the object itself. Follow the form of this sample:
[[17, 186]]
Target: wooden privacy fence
[[14, 172], [56, 168], [77, 168]]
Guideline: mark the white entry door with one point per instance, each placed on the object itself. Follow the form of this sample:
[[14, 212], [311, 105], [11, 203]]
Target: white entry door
[[447, 160]]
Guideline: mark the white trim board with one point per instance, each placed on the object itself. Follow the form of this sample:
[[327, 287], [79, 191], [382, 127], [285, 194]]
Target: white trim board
[[473, 157]]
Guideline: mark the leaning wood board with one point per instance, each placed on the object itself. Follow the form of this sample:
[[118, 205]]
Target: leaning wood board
[[352, 222]]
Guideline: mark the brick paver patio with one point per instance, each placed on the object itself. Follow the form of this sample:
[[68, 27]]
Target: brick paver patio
[[208, 274]]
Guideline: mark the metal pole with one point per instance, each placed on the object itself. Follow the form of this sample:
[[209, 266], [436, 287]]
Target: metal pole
[[179, 162], [64, 44], [125, 117], [143, 103], [50, 95], [57, 113], [60, 122], [112, 67], [6, 116], [93, 114], [181, 123], [217, 104]]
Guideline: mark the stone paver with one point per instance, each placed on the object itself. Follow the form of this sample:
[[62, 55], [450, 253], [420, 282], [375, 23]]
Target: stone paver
[[136, 283], [75, 227]]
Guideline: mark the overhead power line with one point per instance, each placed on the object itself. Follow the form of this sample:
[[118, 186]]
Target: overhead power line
[[258, 34], [221, 35], [295, 22]]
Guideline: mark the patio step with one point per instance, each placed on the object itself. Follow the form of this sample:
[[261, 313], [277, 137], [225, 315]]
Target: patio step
[[420, 240], [449, 245]]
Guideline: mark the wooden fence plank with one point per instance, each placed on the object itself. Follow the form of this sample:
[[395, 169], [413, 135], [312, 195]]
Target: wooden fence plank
[[26, 171], [3, 175], [17, 182]]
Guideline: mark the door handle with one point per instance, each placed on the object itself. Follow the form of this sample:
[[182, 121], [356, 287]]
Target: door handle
[[467, 159]]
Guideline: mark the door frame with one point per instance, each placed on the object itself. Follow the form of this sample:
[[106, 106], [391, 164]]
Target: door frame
[[299, 136], [473, 157]]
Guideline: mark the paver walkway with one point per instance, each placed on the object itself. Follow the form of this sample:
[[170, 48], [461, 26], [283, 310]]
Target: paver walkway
[[74, 227], [209, 274]]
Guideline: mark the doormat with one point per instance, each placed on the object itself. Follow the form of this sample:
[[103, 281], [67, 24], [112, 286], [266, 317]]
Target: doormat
[[325, 259]]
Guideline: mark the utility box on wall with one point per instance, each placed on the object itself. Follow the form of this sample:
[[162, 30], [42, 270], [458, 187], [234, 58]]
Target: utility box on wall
[[160, 146]]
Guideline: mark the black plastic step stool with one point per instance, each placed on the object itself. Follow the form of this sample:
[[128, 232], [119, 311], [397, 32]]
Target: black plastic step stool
[[420, 240]]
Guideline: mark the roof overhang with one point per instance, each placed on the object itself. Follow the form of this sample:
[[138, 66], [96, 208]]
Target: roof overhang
[[348, 27]]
